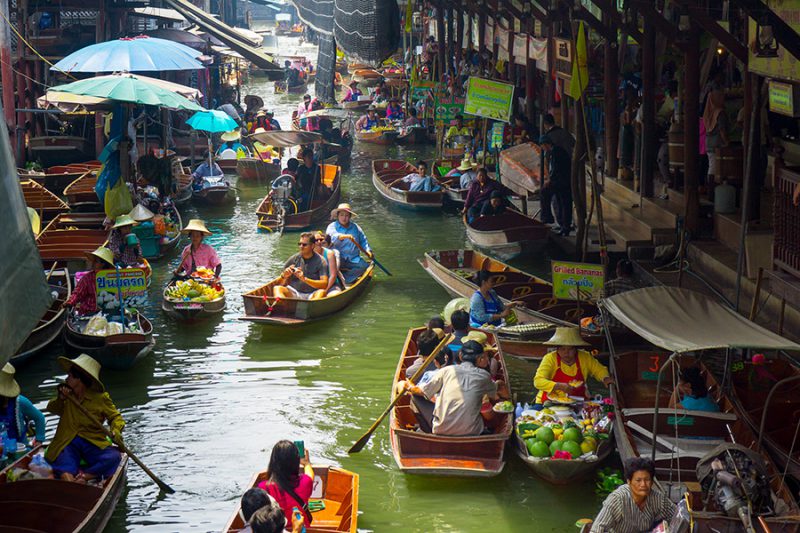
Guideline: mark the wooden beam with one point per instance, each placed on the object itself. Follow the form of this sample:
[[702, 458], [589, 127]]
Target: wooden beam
[[662, 25], [610, 11], [784, 34], [585, 15], [726, 39]]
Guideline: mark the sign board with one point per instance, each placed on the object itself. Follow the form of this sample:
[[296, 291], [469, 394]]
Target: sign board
[[782, 98], [563, 58], [520, 49], [577, 281], [132, 283], [446, 108], [785, 66], [489, 99], [420, 89], [497, 135]]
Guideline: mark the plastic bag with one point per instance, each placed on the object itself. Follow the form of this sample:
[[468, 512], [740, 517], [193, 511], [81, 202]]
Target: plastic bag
[[97, 326], [118, 200], [113, 328]]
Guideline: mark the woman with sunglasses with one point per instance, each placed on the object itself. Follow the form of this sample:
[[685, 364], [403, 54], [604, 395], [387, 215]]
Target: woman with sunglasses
[[322, 246], [305, 274]]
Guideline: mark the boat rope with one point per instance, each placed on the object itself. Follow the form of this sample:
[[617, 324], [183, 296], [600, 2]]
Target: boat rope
[[789, 458], [33, 49], [676, 448]]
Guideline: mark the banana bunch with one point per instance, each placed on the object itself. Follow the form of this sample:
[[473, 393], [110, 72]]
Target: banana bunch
[[381, 129], [194, 291]]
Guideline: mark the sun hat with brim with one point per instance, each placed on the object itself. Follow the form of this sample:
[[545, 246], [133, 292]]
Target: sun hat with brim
[[342, 207], [123, 220], [196, 224], [467, 164], [9, 387], [88, 365], [232, 135], [140, 213], [566, 337], [479, 337], [104, 254]]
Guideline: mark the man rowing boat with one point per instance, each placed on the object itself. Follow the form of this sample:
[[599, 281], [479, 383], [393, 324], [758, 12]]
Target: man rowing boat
[[350, 240]]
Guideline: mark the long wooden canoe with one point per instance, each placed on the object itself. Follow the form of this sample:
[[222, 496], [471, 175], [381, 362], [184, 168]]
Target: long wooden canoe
[[387, 177], [261, 307], [281, 87], [683, 437], [52, 322], [271, 217], [55, 179], [183, 193], [752, 384], [425, 453], [68, 243], [413, 135], [80, 193], [336, 487], [508, 235], [44, 202], [117, 352], [56, 506], [253, 168], [356, 107], [213, 194]]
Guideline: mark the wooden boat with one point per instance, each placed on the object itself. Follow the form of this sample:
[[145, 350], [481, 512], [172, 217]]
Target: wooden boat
[[751, 385], [35, 505], [453, 193], [413, 135], [47, 204], [387, 175], [56, 178], [59, 149], [367, 77], [153, 247], [508, 235], [337, 488], [191, 311], [680, 447], [272, 218], [117, 352], [184, 185], [213, 193], [382, 138], [52, 322], [261, 307], [254, 168], [80, 193], [280, 87], [425, 453], [226, 165], [68, 247], [358, 106], [520, 167]]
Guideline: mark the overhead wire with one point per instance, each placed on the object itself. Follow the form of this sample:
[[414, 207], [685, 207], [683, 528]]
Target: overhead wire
[[33, 49]]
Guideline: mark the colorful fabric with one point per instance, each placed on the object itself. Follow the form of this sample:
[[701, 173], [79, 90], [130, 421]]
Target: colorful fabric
[[101, 462], [204, 256], [352, 95], [18, 412], [551, 363], [73, 422], [704, 403], [84, 298]]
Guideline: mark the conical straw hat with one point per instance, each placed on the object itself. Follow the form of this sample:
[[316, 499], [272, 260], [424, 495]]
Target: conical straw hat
[[123, 220], [8, 385], [140, 213], [230, 135], [196, 224], [566, 337], [87, 364], [105, 254]]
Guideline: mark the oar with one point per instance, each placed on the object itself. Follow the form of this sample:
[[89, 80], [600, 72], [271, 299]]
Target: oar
[[360, 443], [373, 257], [52, 269], [163, 486]]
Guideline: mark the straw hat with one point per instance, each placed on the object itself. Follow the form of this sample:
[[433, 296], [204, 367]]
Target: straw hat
[[253, 101], [104, 254], [260, 130], [123, 220], [372, 108], [342, 207], [439, 333], [467, 164], [89, 365], [479, 337], [140, 213], [196, 224], [232, 135], [8, 385], [566, 337]]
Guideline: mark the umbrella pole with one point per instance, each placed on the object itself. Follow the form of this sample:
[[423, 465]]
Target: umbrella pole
[[144, 150], [210, 167]]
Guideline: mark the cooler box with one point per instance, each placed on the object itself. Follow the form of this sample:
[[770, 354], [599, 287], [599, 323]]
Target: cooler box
[[148, 239], [144, 230]]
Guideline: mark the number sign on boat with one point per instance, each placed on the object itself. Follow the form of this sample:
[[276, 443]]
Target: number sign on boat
[[577, 281]]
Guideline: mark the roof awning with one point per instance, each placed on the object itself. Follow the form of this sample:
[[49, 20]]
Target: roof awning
[[681, 320], [228, 35], [287, 138]]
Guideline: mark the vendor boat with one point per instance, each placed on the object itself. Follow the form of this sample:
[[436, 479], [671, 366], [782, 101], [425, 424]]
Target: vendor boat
[[56, 178], [254, 168], [67, 244], [261, 307], [183, 181], [227, 166], [424, 453], [52, 322], [508, 235], [387, 176], [156, 246], [80, 193], [190, 311], [278, 212], [358, 106], [116, 352], [335, 487], [214, 191], [45, 203], [383, 137], [280, 87], [46, 504], [413, 135]]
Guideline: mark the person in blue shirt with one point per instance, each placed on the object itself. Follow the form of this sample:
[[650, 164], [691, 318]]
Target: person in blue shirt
[[460, 322], [230, 141], [350, 240], [693, 392], [16, 411], [485, 306]]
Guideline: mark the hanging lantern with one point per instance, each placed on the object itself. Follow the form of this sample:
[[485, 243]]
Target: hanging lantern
[[765, 45]]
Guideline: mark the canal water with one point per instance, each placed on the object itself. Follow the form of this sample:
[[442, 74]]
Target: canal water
[[204, 411]]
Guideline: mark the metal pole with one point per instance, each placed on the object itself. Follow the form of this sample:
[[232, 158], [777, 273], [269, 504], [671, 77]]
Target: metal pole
[[691, 131], [658, 391]]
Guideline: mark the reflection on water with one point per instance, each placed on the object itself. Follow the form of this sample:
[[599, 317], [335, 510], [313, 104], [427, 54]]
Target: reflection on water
[[206, 408]]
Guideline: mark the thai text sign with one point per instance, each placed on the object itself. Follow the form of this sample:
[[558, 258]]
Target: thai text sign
[[420, 89], [447, 107], [577, 281], [131, 282], [489, 99], [781, 98]]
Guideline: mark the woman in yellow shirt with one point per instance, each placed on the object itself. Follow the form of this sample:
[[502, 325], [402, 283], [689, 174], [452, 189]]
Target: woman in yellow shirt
[[566, 368]]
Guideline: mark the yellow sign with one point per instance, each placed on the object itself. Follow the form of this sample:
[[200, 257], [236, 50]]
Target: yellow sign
[[781, 98], [489, 99], [577, 281]]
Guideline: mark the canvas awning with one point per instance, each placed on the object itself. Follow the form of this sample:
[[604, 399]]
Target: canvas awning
[[287, 138], [681, 320]]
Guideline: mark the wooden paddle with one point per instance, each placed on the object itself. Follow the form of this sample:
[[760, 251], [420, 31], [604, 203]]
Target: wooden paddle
[[52, 269], [373, 257], [360, 443], [163, 486]]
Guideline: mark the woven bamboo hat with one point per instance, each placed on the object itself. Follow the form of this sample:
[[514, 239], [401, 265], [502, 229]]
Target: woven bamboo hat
[[8, 385], [230, 135], [342, 207], [566, 337], [196, 224], [123, 220], [479, 337], [88, 365], [140, 213], [104, 254], [467, 164]]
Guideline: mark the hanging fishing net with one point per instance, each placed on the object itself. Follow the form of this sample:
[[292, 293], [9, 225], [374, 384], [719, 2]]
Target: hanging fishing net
[[326, 66]]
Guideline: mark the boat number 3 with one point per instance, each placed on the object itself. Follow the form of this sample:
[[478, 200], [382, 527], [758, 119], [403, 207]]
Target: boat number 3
[[738, 366], [656, 359]]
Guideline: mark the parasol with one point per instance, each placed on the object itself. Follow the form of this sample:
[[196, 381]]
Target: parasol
[[128, 88], [137, 54]]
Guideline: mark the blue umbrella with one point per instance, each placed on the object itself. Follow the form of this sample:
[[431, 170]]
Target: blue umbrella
[[213, 121], [138, 54]]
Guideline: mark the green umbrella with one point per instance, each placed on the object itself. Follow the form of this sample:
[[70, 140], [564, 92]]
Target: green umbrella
[[128, 88]]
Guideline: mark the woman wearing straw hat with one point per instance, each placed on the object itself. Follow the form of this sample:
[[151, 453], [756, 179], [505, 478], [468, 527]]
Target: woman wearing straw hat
[[465, 171], [566, 368], [84, 298], [353, 92], [230, 141], [77, 438], [368, 121], [197, 254], [16, 411], [123, 243]]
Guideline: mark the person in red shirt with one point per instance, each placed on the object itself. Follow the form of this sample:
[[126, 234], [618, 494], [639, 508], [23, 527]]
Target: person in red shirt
[[84, 298], [286, 484]]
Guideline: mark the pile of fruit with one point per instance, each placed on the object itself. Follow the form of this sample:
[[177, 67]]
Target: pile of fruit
[[381, 129], [203, 273], [194, 291], [548, 434]]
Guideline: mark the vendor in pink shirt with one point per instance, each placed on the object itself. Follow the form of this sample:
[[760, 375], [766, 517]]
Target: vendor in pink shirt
[[196, 254], [286, 484]]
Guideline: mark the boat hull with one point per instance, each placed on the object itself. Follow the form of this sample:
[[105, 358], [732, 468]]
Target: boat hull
[[413, 136], [508, 235], [250, 168], [214, 195], [317, 216], [561, 471], [50, 325], [115, 352], [382, 138], [193, 311], [386, 173]]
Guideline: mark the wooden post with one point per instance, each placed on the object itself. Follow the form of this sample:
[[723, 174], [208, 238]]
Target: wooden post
[[481, 34], [440, 38], [7, 75], [530, 80], [459, 14], [648, 137], [611, 106], [691, 131], [451, 42], [579, 181]]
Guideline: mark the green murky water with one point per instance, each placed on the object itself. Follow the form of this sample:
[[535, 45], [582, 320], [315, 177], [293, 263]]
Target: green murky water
[[206, 408]]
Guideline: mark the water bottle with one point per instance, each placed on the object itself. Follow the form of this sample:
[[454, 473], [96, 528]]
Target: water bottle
[[298, 516], [518, 410]]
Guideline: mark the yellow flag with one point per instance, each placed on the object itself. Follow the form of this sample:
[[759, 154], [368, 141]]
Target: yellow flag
[[580, 70], [409, 14]]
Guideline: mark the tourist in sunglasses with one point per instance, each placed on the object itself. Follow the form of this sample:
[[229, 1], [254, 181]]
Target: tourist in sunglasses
[[305, 274]]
